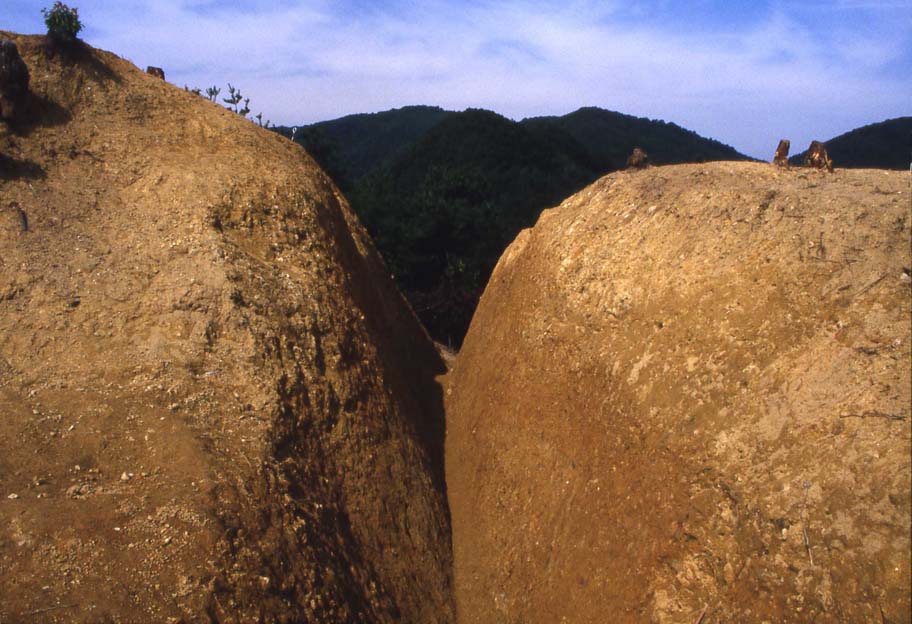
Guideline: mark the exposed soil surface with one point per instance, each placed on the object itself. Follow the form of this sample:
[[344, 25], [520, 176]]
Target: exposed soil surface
[[685, 397], [214, 404]]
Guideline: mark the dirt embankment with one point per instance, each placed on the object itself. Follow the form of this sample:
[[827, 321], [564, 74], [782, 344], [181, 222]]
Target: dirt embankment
[[685, 397], [215, 405]]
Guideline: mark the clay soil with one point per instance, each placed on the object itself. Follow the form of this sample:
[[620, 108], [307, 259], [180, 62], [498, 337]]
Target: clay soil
[[214, 404], [685, 397]]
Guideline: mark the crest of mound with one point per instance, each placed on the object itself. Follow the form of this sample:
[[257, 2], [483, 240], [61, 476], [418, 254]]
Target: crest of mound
[[699, 408], [216, 406]]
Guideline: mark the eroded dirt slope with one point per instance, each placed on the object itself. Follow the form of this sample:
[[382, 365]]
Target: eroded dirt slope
[[685, 397], [214, 405]]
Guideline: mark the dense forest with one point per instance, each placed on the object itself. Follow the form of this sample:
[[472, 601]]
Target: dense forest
[[610, 137], [443, 193], [444, 210], [350, 147], [884, 145]]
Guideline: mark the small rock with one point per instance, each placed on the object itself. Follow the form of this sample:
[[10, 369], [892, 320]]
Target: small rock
[[638, 159], [729, 573], [13, 496], [125, 477], [78, 490]]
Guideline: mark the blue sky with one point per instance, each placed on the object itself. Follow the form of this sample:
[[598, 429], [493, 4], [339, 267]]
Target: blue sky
[[745, 73]]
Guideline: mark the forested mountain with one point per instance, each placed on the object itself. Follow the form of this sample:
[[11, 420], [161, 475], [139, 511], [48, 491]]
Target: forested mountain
[[350, 147], [884, 145], [443, 193], [444, 211], [610, 137]]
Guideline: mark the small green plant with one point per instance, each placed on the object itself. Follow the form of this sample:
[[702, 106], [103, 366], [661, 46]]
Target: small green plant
[[234, 99], [62, 22], [236, 102]]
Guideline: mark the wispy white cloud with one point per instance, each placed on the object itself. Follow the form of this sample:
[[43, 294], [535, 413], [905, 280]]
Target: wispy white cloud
[[748, 77]]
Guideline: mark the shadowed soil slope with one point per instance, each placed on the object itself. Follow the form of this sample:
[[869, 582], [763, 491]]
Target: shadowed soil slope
[[214, 404], [685, 397]]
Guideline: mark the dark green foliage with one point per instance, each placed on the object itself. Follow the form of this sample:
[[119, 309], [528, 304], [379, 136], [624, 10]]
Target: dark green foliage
[[444, 193], [234, 100], [62, 22], [361, 143], [444, 211], [884, 145], [610, 137], [323, 149]]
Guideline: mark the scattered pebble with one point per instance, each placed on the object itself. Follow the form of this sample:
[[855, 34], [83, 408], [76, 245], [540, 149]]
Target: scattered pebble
[[78, 490], [13, 496]]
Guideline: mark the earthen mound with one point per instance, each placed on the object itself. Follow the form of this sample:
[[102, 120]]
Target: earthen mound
[[685, 397], [215, 404]]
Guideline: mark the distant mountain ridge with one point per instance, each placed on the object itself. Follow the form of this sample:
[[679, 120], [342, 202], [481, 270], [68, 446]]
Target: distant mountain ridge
[[883, 145], [611, 136], [351, 147]]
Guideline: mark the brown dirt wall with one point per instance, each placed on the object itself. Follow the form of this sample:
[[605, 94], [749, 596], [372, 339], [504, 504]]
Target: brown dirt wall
[[214, 404], [685, 397]]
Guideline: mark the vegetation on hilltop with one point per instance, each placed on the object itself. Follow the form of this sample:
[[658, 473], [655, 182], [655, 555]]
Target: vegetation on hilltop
[[62, 22], [351, 147], [444, 211], [610, 137]]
